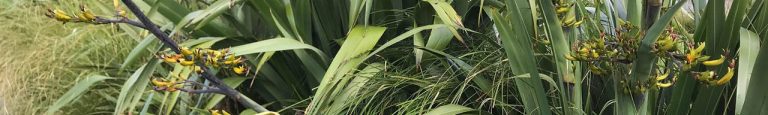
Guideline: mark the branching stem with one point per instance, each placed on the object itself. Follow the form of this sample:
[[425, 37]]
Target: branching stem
[[218, 83], [101, 20]]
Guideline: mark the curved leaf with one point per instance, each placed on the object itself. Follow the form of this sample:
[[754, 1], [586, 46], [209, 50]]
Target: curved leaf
[[138, 51], [360, 41], [450, 109], [75, 92], [134, 87], [748, 49], [274, 44]]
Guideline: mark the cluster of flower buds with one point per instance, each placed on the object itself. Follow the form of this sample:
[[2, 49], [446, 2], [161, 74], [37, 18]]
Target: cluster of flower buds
[[666, 44], [658, 81], [213, 58], [709, 77], [601, 50], [85, 15], [564, 11], [694, 57], [165, 85]]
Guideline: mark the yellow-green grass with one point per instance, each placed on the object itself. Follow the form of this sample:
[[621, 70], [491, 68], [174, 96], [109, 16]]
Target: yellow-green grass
[[41, 58]]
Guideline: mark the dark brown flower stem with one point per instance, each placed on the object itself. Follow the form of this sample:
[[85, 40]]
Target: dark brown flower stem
[[207, 74], [101, 20]]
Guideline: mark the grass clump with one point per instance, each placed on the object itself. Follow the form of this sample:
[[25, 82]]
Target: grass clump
[[41, 59]]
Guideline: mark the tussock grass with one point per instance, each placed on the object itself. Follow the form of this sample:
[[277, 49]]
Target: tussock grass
[[39, 58]]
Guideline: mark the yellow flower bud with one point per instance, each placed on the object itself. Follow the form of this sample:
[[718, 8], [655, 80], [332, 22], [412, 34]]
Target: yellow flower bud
[[185, 62], [239, 69], [595, 54], [268, 113], [185, 51], [561, 10], [87, 15], [726, 78], [569, 57], [715, 62], [663, 85], [700, 48], [160, 83], [663, 76], [59, 15]]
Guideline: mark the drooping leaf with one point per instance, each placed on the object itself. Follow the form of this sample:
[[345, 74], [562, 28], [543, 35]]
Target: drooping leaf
[[274, 44], [75, 92], [359, 42], [139, 51], [134, 87], [516, 41], [450, 109]]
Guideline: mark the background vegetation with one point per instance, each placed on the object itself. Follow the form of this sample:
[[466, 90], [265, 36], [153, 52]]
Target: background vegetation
[[43, 59], [388, 57]]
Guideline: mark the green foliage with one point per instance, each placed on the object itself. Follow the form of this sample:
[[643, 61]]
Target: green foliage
[[75, 92], [508, 57]]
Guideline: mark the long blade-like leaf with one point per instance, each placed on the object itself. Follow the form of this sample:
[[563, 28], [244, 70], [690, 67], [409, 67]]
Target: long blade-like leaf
[[74, 92], [516, 40]]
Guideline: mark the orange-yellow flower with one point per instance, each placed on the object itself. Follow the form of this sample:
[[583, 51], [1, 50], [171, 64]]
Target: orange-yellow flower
[[239, 69]]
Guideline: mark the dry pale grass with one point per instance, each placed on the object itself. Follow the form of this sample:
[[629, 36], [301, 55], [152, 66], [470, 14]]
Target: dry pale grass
[[37, 56]]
